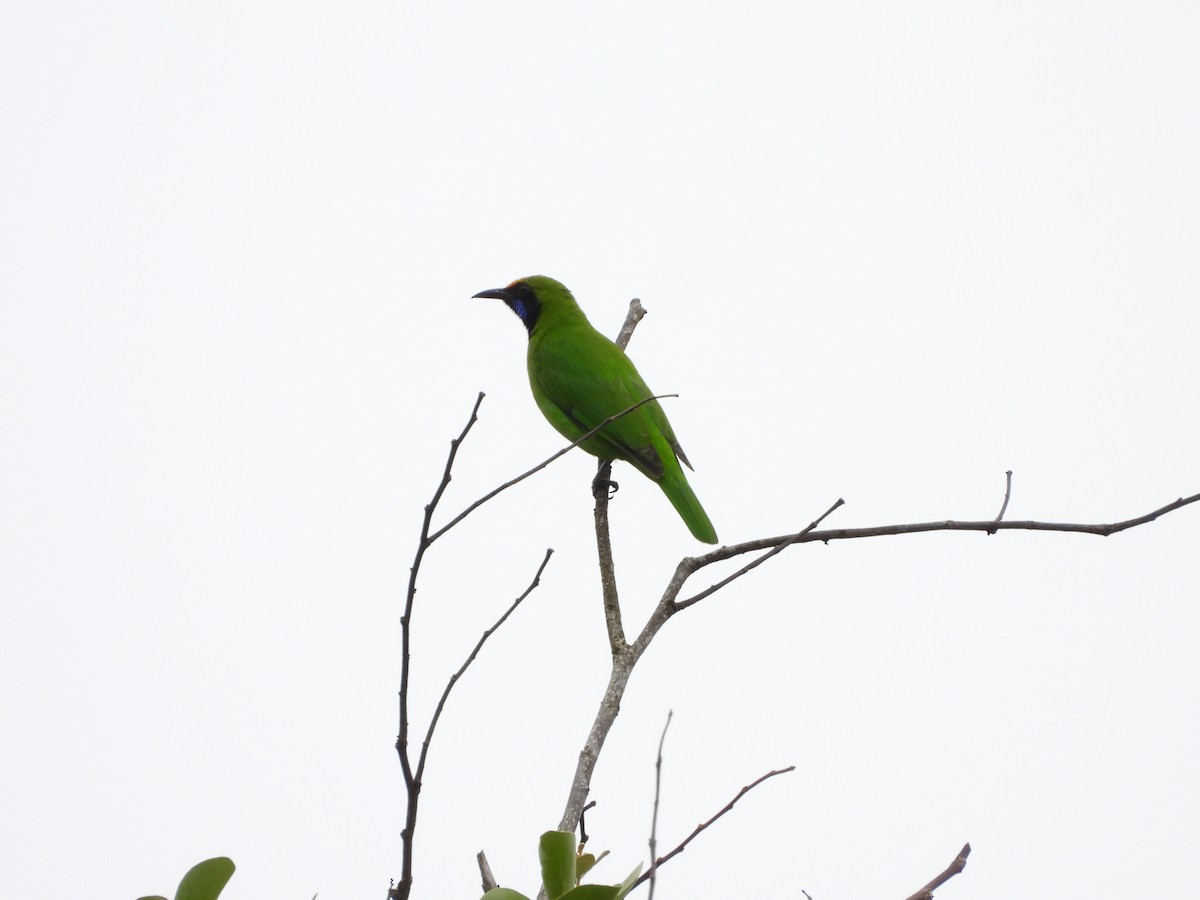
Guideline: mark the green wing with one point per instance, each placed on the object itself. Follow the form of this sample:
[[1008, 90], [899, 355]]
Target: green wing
[[579, 379]]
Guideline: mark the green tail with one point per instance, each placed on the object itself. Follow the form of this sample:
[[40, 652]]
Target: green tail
[[675, 485]]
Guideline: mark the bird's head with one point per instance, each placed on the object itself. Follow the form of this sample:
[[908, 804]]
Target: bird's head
[[527, 297]]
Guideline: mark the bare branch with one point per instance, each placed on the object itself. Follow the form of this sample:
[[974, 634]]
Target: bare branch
[[625, 657], [960, 863], [608, 569], [843, 534], [411, 783], [441, 704], [654, 818], [413, 778], [699, 828], [405, 621], [504, 487], [606, 714]]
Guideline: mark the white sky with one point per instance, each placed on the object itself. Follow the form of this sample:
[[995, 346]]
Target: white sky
[[888, 252]]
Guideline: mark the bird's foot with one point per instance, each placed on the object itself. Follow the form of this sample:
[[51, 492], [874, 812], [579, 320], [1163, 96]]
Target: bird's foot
[[602, 484]]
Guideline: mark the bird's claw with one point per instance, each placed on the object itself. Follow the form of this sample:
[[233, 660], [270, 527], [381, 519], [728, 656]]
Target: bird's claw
[[601, 485]]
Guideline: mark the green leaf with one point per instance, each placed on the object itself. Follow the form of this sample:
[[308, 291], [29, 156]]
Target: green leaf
[[155, 897], [593, 892], [627, 885], [556, 850], [583, 864], [206, 880], [499, 893]]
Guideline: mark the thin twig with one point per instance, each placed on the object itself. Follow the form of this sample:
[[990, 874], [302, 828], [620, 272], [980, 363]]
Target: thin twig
[[1007, 494], [567, 449], [441, 704], [779, 548], [654, 818], [454, 445], [960, 863], [699, 828]]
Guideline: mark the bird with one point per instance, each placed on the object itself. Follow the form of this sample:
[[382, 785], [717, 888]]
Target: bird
[[580, 378]]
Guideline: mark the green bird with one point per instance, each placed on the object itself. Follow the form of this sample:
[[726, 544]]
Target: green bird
[[580, 378]]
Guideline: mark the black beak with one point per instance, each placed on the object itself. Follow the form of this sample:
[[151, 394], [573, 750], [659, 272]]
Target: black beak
[[494, 294]]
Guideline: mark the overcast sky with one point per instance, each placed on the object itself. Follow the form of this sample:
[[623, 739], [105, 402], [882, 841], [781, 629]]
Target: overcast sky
[[889, 251]]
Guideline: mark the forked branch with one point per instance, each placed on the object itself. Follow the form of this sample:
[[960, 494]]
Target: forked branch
[[414, 775]]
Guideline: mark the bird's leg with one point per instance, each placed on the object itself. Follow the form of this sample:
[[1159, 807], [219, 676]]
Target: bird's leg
[[603, 483]]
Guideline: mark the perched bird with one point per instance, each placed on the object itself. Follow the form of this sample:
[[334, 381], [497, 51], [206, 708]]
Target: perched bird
[[580, 378]]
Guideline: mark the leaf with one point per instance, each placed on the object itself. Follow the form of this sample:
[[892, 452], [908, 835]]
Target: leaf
[[556, 850], [155, 897], [499, 893], [627, 885], [593, 892], [206, 880], [583, 864]]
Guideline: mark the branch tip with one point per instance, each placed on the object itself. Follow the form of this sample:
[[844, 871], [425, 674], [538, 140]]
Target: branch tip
[[1007, 494], [655, 864], [485, 872], [957, 865]]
